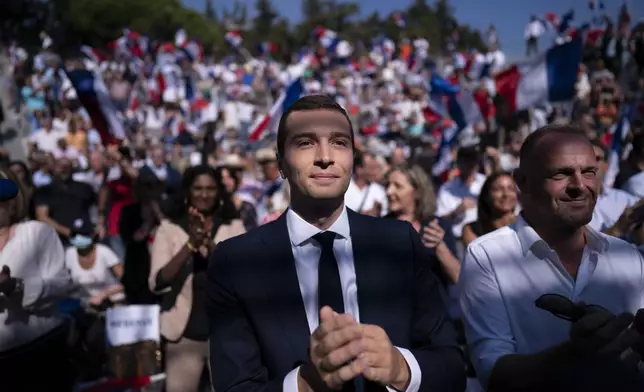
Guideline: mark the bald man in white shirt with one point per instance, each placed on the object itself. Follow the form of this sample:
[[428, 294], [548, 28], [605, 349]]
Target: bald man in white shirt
[[551, 249]]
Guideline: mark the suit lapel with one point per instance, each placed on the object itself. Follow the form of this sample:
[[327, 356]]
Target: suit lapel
[[373, 276], [284, 290], [374, 273]]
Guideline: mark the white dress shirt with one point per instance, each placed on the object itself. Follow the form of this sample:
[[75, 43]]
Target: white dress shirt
[[366, 198], [635, 185], [451, 195], [611, 203], [34, 254], [505, 271], [307, 252]]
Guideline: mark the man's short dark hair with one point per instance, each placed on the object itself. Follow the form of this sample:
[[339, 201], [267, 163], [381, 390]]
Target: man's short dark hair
[[530, 143], [599, 144], [304, 104], [468, 154]]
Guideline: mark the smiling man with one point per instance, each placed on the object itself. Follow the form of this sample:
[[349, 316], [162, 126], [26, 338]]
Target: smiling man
[[325, 298], [551, 249]]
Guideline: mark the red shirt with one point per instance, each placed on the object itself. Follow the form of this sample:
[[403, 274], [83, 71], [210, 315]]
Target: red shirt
[[121, 195]]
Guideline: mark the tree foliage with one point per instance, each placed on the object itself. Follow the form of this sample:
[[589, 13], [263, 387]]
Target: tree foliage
[[95, 22]]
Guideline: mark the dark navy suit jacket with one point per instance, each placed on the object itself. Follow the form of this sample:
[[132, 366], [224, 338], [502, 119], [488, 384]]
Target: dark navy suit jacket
[[258, 326]]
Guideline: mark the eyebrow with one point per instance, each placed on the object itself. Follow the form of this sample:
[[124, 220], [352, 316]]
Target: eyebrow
[[313, 135], [568, 169]]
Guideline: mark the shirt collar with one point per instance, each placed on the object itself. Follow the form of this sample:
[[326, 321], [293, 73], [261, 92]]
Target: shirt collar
[[528, 237], [300, 231]]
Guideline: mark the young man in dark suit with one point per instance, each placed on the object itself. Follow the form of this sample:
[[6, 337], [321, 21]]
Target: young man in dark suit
[[325, 298]]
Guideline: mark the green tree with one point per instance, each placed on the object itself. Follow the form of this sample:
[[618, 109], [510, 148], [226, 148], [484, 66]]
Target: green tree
[[95, 22], [264, 19], [209, 11]]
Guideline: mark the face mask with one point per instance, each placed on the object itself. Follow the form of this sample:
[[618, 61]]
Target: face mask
[[81, 241]]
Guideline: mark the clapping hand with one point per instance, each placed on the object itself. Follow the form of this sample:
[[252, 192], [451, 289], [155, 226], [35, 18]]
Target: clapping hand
[[341, 350], [334, 346], [199, 236], [433, 234]]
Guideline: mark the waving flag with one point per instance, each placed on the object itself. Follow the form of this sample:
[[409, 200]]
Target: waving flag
[[566, 22], [94, 97], [548, 77], [271, 121], [551, 21], [266, 48], [618, 134], [399, 19], [328, 38], [234, 39]]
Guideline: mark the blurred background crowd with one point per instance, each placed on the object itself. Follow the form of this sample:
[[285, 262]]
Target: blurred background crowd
[[116, 116]]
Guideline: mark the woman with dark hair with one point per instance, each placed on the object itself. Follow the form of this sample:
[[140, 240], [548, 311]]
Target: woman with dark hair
[[179, 260], [246, 210], [496, 206], [136, 228]]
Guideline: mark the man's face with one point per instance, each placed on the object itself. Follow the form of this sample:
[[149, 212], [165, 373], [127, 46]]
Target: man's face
[[563, 189], [318, 154], [373, 171], [63, 169], [602, 163], [158, 157]]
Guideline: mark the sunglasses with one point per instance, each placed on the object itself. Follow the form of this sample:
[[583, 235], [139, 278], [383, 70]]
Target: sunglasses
[[563, 308]]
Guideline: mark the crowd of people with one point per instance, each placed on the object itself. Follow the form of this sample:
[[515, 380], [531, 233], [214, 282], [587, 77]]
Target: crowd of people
[[224, 229]]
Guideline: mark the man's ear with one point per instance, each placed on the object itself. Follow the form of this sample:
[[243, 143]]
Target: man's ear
[[519, 179], [280, 165]]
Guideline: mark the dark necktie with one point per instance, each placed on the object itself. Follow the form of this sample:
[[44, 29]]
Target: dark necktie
[[329, 284]]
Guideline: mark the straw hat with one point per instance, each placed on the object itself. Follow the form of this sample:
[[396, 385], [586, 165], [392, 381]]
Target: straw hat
[[265, 155], [234, 161]]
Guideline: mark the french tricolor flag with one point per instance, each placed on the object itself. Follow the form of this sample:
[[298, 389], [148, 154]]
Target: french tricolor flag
[[548, 77], [399, 19], [616, 137], [328, 38], [234, 39], [266, 48], [93, 95], [271, 121]]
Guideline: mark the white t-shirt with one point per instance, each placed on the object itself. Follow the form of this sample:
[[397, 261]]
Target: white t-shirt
[[365, 199], [451, 195], [635, 185], [98, 278], [47, 141]]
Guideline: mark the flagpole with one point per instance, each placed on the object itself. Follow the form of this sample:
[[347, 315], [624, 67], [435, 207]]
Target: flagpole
[[245, 53]]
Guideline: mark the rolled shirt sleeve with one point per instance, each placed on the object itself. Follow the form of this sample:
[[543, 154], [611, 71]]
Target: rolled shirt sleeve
[[487, 327]]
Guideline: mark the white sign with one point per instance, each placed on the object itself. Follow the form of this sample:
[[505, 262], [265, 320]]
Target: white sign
[[132, 324]]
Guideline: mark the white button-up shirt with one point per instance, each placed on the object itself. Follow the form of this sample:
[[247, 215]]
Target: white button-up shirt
[[611, 203], [34, 254], [505, 271], [307, 252], [451, 195], [365, 199]]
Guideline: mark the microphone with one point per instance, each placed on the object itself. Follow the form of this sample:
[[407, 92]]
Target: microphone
[[8, 189]]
